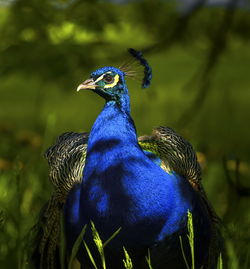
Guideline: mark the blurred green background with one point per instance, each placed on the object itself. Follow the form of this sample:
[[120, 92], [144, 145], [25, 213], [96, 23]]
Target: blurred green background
[[201, 87]]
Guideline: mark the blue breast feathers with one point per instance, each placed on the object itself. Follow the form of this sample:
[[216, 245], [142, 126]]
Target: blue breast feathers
[[124, 187]]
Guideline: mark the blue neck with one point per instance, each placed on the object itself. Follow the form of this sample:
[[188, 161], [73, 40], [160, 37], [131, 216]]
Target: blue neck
[[112, 133]]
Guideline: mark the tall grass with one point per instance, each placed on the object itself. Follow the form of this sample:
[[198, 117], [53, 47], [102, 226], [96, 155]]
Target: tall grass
[[76, 246], [127, 261], [148, 260], [190, 237]]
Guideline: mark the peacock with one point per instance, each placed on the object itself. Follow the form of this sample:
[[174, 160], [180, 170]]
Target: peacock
[[144, 186]]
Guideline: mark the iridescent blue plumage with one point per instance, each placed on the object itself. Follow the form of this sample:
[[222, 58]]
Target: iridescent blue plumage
[[123, 187], [145, 186]]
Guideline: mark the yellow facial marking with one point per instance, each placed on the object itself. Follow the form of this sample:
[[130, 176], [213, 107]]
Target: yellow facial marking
[[116, 79]]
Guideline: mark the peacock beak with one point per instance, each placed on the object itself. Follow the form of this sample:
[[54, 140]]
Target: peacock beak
[[88, 84]]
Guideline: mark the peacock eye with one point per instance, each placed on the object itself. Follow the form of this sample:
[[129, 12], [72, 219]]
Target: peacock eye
[[108, 78]]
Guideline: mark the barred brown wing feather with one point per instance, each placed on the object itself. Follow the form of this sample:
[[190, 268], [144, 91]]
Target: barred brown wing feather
[[66, 159]]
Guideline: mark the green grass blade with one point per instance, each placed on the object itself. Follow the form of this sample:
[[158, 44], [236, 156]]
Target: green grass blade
[[148, 259], [220, 262], [111, 237], [77, 245], [183, 253], [90, 255], [98, 243], [127, 261], [191, 236]]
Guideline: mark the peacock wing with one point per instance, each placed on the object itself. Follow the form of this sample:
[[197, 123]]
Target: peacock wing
[[177, 154], [66, 160]]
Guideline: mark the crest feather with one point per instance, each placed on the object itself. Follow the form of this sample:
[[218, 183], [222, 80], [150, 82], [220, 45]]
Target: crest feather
[[126, 68]]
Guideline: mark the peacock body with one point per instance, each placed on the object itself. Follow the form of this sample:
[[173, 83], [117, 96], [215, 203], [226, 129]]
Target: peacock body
[[145, 186]]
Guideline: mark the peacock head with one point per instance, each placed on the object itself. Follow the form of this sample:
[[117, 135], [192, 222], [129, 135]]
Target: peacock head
[[109, 82]]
